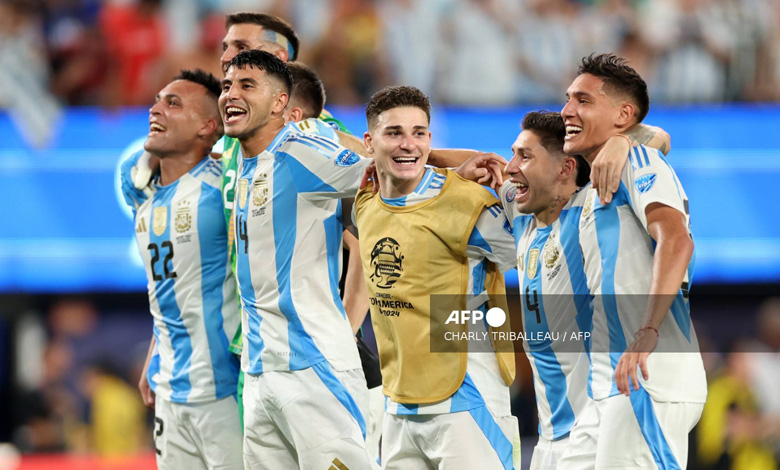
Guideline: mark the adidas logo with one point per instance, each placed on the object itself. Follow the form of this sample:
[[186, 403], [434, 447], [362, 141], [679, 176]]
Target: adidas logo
[[141, 227]]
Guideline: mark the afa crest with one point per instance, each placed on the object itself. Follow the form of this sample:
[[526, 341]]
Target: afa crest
[[260, 191], [243, 192], [159, 220], [587, 208], [183, 220], [551, 252]]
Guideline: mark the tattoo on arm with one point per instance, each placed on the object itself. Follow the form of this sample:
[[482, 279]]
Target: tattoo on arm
[[641, 134]]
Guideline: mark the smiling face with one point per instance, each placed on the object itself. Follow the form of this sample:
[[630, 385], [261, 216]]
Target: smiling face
[[400, 142], [245, 37], [249, 99], [177, 118], [535, 172], [591, 116]]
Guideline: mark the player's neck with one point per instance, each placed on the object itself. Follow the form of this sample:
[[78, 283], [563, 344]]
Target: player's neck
[[173, 167], [261, 139], [391, 188], [549, 215]]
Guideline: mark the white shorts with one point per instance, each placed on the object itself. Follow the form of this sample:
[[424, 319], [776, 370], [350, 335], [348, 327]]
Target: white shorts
[[376, 414], [198, 436], [640, 433], [465, 440], [309, 419], [547, 453], [580, 454]]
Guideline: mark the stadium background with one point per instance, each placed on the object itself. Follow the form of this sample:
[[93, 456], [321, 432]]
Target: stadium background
[[76, 77]]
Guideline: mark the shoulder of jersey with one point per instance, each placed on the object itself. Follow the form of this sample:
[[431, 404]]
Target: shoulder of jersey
[[210, 173]]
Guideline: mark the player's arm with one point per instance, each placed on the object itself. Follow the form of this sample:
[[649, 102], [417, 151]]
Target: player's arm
[[441, 158], [143, 384], [128, 174], [492, 238], [355, 291], [673, 252], [659, 203], [609, 162], [322, 169]]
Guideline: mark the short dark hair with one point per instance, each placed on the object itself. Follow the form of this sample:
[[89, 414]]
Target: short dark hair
[[395, 97], [203, 78], [551, 130], [267, 62], [618, 78], [307, 88], [269, 23]]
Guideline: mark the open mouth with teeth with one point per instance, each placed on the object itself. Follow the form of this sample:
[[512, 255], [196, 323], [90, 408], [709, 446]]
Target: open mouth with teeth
[[572, 131], [155, 128], [406, 161], [522, 190], [233, 114]]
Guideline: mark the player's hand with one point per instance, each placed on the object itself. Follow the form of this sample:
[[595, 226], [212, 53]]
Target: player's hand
[[146, 391], [635, 355], [370, 175], [484, 168], [606, 169]]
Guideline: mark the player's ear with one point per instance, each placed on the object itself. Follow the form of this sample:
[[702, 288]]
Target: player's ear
[[208, 127], [295, 114], [280, 102], [625, 115], [367, 142], [282, 54], [568, 168]]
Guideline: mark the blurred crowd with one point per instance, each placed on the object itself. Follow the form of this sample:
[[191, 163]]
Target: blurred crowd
[[460, 52], [76, 367]]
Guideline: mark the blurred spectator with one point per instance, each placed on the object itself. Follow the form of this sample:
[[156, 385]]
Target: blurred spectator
[[412, 42], [204, 54], [767, 360], [76, 54], [693, 42], [549, 46], [732, 434], [24, 74], [348, 59], [117, 414], [134, 33], [479, 65]]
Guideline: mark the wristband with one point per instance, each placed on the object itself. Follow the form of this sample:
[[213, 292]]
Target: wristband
[[657, 335]]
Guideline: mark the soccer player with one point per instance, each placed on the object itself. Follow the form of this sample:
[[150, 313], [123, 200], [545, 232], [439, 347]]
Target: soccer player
[[305, 391], [190, 376], [541, 199], [430, 232], [638, 258]]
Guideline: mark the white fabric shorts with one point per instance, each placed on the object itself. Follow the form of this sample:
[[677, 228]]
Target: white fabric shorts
[[198, 436], [308, 419], [640, 433], [580, 453], [547, 453], [467, 440]]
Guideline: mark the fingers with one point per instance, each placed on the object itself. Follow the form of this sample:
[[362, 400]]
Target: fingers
[[633, 375], [605, 191], [643, 366], [498, 177], [619, 375]]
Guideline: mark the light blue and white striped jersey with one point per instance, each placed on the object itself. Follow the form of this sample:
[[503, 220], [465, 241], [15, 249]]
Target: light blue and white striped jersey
[[182, 239], [618, 253], [318, 127], [288, 231], [555, 304], [490, 240]]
